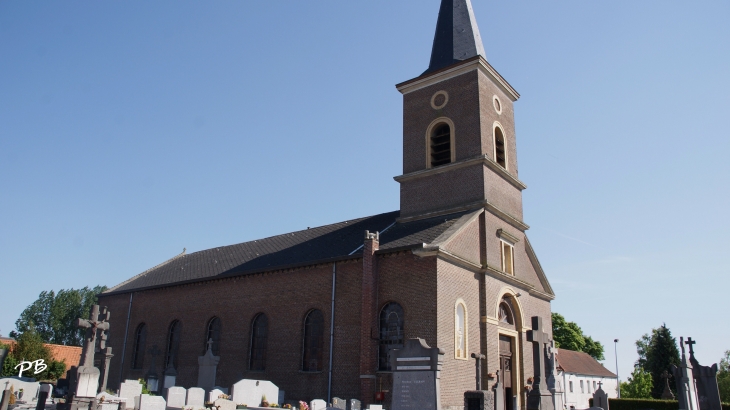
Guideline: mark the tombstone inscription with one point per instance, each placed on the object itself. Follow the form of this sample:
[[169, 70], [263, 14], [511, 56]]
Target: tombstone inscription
[[416, 374]]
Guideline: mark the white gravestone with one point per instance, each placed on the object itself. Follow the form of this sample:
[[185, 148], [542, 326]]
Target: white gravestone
[[176, 397], [251, 392], [207, 368], [195, 397], [30, 388], [215, 394], [147, 402], [318, 404], [108, 401], [130, 390], [223, 404]]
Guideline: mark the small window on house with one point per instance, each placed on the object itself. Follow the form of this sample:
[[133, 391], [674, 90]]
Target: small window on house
[[508, 258], [500, 153], [214, 333], [259, 332], [594, 385], [140, 344], [460, 332], [313, 341], [582, 390], [571, 386], [440, 145], [173, 344]]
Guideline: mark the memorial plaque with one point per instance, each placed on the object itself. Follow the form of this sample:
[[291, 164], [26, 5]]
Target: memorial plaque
[[416, 371]]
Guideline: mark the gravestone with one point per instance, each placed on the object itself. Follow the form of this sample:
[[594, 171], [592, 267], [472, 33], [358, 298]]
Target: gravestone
[[553, 382], [207, 368], [687, 395], [43, 392], [416, 373], [195, 397], [338, 403], [87, 376], [354, 404], [130, 390], [176, 397], [498, 392], [5, 400], [375, 407], [106, 401], [600, 398], [147, 402], [29, 386], [215, 394], [251, 392], [282, 396], [317, 404], [708, 393], [478, 399], [224, 404], [667, 393], [539, 397]]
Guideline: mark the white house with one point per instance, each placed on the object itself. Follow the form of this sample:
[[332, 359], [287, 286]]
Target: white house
[[580, 374]]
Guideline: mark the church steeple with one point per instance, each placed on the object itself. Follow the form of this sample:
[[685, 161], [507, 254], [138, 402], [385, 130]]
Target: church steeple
[[457, 35]]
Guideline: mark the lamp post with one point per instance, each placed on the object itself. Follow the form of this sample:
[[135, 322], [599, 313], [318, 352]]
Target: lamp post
[[615, 353]]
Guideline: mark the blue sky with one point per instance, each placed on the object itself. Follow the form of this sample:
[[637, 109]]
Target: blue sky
[[129, 130]]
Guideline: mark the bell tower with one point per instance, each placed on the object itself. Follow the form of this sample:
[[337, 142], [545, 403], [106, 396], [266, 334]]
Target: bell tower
[[459, 150]]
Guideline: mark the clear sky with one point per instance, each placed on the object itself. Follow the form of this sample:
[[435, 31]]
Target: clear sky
[[129, 130]]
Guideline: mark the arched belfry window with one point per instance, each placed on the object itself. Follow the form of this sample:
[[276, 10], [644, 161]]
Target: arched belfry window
[[213, 333], [391, 333], [259, 334], [440, 145], [173, 344], [461, 336], [313, 341], [140, 345], [500, 150]]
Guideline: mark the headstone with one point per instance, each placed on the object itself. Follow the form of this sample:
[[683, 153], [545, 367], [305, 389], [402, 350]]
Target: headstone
[[282, 397], [29, 386], [215, 394], [498, 392], [600, 398], [43, 392], [354, 404], [416, 373], [5, 400], [339, 403], [195, 397], [130, 390], [479, 400], [148, 402], [317, 404], [87, 376], [687, 395], [176, 397], [375, 407], [478, 357], [106, 401], [708, 393], [105, 368], [539, 397], [223, 404], [667, 393], [251, 392], [553, 382], [207, 368]]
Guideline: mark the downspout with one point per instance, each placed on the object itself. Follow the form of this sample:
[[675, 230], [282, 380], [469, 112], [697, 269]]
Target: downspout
[[332, 332], [126, 336]]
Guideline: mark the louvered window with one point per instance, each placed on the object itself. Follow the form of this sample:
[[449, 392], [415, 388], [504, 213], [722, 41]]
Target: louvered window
[[441, 145], [500, 153]]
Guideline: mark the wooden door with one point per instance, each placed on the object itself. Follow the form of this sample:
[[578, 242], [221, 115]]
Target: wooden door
[[505, 370]]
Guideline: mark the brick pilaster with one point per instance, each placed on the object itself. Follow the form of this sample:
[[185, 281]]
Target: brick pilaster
[[368, 329]]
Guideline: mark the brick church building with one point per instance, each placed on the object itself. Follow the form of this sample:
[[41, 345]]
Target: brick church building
[[317, 312]]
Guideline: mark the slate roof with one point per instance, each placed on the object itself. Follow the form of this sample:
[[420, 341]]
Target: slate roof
[[320, 244], [457, 35], [581, 363]]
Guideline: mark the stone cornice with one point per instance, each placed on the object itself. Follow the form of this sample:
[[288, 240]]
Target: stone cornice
[[506, 277], [488, 162], [512, 220], [475, 63]]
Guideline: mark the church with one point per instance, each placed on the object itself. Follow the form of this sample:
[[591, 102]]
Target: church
[[318, 312]]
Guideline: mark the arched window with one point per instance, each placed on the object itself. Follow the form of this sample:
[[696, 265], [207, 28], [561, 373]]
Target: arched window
[[313, 341], [500, 152], [173, 344], [505, 313], [259, 332], [213, 333], [140, 344], [460, 331], [391, 333], [440, 145]]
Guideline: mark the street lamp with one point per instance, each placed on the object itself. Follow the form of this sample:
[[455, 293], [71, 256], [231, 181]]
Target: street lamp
[[615, 353]]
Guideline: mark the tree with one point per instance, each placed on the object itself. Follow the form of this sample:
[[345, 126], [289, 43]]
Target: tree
[[723, 378], [638, 386], [656, 353], [569, 336], [30, 347], [53, 315]]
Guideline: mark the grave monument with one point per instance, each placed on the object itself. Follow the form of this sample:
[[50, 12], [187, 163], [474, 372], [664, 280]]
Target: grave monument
[[195, 397], [87, 376], [539, 397], [416, 373], [478, 399], [600, 399], [687, 395], [708, 393], [553, 382], [251, 392], [207, 368], [130, 390]]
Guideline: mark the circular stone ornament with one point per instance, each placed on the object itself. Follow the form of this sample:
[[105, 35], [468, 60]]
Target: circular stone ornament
[[497, 104], [439, 100]]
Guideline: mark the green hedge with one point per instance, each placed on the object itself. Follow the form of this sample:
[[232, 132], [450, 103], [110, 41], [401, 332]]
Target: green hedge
[[646, 404]]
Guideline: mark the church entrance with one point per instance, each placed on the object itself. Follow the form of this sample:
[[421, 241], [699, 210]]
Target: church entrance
[[506, 352]]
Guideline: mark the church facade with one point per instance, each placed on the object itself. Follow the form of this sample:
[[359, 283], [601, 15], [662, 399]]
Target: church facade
[[318, 312]]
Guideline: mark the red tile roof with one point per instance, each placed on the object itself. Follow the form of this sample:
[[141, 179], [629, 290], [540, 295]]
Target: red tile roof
[[71, 354], [581, 363]]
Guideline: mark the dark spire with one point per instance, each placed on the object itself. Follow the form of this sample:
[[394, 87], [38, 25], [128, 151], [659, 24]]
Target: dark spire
[[457, 35]]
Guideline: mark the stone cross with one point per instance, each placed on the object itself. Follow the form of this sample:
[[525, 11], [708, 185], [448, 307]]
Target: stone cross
[[539, 338], [691, 344], [479, 357], [667, 393], [92, 326], [210, 344]]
